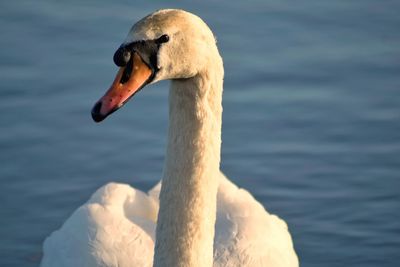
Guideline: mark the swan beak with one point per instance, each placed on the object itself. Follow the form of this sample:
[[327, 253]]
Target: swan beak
[[125, 85]]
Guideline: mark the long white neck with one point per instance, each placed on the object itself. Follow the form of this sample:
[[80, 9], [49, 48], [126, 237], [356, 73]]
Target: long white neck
[[186, 219]]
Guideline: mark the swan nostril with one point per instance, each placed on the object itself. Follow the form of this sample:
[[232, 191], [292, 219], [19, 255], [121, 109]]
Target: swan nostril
[[96, 115], [127, 72]]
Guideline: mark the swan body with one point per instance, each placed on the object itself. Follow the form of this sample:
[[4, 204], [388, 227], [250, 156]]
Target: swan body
[[196, 217]]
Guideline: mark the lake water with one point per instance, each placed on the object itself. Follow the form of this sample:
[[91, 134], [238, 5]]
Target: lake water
[[311, 118]]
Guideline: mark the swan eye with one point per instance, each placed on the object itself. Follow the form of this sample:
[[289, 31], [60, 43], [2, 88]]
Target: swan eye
[[121, 57], [162, 39]]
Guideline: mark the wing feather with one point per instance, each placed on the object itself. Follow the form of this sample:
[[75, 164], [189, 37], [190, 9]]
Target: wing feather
[[246, 234], [116, 227]]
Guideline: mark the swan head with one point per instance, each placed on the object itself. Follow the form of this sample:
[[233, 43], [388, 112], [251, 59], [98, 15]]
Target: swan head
[[167, 44]]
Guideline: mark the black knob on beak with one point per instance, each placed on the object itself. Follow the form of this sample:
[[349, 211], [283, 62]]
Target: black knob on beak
[[122, 56]]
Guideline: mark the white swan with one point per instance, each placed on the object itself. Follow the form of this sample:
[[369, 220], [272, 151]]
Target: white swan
[[118, 226]]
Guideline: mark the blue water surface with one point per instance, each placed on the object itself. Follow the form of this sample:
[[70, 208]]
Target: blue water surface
[[311, 118]]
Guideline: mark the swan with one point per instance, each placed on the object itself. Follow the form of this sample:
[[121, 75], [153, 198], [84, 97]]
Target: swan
[[196, 217]]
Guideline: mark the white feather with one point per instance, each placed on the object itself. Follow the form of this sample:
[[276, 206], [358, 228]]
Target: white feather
[[116, 227]]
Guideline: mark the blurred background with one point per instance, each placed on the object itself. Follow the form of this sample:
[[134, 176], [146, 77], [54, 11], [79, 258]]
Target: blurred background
[[311, 118]]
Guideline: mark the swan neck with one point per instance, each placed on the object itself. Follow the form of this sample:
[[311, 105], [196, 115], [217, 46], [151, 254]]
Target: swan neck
[[186, 220]]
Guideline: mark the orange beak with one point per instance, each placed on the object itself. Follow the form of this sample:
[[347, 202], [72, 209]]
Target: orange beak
[[121, 91]]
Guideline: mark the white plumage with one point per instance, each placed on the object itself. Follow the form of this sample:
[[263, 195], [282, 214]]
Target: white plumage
[[118, 225]]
